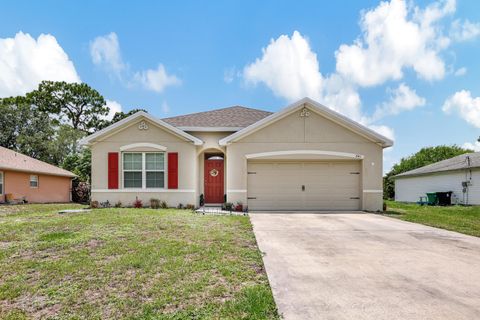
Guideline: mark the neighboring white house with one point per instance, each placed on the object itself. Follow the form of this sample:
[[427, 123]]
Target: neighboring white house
[[460, 174], [303, 157]]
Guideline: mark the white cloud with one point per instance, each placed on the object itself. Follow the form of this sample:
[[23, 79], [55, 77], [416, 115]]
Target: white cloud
[[25, 62], [460, 72], [105, 51], [403, 98], [288, 67], [472, 146], [396, 36], [165, 107], [114, 107], [341, 96], [383, 130], [156, 80], [464, 31], [465, 105], [230, 74]]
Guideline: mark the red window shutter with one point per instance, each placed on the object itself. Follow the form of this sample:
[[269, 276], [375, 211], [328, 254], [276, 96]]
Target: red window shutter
[[113, 170], [172, 170]]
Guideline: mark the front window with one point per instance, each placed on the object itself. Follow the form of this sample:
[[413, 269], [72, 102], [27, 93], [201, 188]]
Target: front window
[[33, 181], [1, 182], [143, 170], [132, 170], [155, 172]]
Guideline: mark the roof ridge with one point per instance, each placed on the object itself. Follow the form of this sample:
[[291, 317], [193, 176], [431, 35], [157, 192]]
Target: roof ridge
[[213, 110]]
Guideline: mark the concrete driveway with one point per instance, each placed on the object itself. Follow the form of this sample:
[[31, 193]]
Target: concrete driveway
[[366, 266]]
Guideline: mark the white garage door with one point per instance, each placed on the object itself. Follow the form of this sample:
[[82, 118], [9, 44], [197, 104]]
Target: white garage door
[[304, 185]]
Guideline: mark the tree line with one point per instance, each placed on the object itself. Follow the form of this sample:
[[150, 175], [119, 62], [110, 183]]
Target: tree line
[[48, 123]]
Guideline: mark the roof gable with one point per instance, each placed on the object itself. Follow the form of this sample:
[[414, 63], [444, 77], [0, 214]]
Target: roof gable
[[229, 119], [15, 161], [125, 123], [318, 108]]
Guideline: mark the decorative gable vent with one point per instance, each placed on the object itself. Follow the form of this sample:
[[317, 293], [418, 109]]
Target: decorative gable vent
[[305, 113], [143, 126]]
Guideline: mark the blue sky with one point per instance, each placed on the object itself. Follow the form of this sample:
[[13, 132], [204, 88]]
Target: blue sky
[[407, 69]]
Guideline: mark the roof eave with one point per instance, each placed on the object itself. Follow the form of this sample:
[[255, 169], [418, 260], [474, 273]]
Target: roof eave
[[408, 175], [66, 175]]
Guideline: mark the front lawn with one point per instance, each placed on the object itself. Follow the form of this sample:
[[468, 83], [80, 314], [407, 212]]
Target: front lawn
[[456, 218], [129, 263]]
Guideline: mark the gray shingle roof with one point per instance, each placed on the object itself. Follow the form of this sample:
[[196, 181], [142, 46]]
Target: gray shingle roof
[[11, 160], [232, 117], [467, 160]]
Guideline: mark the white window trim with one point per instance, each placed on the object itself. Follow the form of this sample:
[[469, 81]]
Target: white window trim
[[143, 145], [1, 182], [144, 170], [37, 180]]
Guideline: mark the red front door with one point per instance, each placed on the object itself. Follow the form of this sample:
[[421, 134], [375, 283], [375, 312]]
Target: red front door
[[214, 181]]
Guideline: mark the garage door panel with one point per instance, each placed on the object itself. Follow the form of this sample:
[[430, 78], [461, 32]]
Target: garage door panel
[[328, 186]]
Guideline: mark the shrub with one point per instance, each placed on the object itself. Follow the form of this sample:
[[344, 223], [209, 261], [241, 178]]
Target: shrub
[[154, 203], [190, 207], [239, 207], [163, 205], [105, 204], [138, 203], [180, 206], [228, 206], [118, 204], [80, 191], [94, 204]]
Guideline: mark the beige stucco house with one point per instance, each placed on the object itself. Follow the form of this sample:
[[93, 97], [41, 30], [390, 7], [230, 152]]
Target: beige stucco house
[[303, 157]]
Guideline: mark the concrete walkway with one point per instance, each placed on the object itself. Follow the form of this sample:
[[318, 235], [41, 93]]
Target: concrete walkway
[[366, 266]]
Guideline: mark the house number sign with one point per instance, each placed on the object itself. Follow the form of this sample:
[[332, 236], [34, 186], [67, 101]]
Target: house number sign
[[143, 126], [214, 172]]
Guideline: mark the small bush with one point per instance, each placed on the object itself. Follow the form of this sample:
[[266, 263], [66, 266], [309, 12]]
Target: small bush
[[228, 206], [105, 204], [94, 204], [163, 205], [154, 203], [138, 203], [190, 207], [80, 191], [239, 207], [180, 206], [118, 204]]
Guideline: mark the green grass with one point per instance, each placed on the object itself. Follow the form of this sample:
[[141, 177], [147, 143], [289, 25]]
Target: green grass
[[456, 218], [129, 264]]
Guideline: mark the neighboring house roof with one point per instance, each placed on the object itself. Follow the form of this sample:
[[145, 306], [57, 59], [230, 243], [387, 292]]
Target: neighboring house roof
[[118, 125], [225, 119], [14, 161], [320, 109], [464, 161]]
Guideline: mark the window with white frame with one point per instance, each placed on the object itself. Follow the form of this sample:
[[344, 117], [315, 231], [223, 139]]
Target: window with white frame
[[33, 181], [143, 170], [155, 170], [1, 182]]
